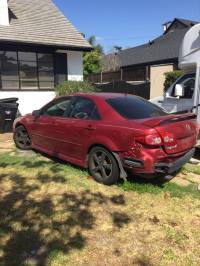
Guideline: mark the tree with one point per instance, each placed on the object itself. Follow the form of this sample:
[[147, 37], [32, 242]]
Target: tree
[[111, 61], [171, 77], [92, 60]]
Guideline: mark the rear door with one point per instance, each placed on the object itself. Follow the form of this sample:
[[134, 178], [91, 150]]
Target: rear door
[[85, 121]]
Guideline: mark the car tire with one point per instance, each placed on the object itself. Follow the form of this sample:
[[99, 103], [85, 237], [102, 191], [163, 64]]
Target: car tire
[[21, 138], [103, 166]]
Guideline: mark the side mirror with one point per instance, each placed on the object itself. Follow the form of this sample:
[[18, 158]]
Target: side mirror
[[36, 113], [179, 90]]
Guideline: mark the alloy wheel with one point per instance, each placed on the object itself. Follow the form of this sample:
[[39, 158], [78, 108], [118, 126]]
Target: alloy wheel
[[22, 138], [101, 164]]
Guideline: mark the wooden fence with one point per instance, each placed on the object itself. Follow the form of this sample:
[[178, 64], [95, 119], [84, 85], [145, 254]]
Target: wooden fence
[[126, 74], [142, 89]]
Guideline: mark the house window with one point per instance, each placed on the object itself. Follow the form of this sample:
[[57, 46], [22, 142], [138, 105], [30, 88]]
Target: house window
[[45, 71], [9, 77], [26, 71]]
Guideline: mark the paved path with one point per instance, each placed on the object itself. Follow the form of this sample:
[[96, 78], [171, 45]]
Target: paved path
[[6, 143]]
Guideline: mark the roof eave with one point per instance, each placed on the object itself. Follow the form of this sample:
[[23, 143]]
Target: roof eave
[[50, 45]]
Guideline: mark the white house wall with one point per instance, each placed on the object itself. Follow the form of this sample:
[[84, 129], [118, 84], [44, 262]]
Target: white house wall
[[29, 100], [75, 65], [4, 18]]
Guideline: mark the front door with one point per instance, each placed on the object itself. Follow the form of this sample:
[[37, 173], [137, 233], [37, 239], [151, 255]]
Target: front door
[[65, 127], [46, 128]]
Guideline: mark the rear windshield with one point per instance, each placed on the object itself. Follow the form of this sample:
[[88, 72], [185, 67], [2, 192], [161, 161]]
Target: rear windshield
[[133, 107]]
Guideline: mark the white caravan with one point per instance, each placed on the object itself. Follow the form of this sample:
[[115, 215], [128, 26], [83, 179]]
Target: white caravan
[[184, 94]]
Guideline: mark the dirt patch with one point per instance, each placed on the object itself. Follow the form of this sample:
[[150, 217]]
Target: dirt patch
[[7, 145]]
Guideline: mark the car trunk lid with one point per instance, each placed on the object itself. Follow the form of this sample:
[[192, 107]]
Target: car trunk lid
[[178, 132]]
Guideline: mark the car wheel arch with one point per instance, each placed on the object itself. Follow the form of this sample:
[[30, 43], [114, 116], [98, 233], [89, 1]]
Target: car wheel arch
[[98, 145], [91, 147], [104, 142], [20, 124]]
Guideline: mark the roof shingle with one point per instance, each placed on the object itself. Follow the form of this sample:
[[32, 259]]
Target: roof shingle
[[165, 47], [41, 22], [162, 48]]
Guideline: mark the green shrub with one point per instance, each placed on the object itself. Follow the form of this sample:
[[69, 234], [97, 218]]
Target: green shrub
[[68, 87], [171, 77]]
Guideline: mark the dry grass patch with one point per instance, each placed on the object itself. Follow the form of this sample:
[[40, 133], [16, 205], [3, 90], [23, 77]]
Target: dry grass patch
[[53, 214]]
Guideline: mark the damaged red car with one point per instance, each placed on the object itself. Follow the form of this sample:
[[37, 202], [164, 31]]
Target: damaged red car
[[111, 134]]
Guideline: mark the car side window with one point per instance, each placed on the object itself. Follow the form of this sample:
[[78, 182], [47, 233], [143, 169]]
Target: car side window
[[188, 84], [58, 108], [84, 109]]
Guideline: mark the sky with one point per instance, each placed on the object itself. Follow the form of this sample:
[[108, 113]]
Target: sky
[[126, 23]]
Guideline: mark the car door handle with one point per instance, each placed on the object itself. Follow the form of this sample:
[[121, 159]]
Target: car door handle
[[90, 127], [55, 123]]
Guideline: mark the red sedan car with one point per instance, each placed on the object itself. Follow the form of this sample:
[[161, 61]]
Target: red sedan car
[[109, 134]]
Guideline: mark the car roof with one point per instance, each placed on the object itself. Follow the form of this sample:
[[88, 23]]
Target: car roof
[[102, 95]]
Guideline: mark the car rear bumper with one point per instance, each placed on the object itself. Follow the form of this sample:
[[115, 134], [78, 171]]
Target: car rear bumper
[[151, 163], [172, 167]]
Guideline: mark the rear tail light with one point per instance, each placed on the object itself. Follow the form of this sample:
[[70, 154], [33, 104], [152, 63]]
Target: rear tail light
[[151, 139], [168, 138]]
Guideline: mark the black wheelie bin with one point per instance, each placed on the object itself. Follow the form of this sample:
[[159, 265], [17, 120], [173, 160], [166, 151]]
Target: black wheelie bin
[[8, 113]]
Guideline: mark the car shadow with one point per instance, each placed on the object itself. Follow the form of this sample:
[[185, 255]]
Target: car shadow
[[157, 180], [56, 160]]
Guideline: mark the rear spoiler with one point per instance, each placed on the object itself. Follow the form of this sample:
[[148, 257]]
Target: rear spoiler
[[182, 117], [178, 118], [170, 119], [187, 111]]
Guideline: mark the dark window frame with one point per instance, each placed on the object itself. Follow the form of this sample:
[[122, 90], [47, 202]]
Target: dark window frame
[[187, 76], [76, 99], [135, 108], [56, 102], [4, 61], [39, 82]]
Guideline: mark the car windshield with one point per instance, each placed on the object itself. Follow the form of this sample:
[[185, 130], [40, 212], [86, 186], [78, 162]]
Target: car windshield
[[133, 107]]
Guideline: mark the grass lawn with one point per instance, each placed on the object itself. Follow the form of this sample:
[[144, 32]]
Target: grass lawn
[[55, 214]]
